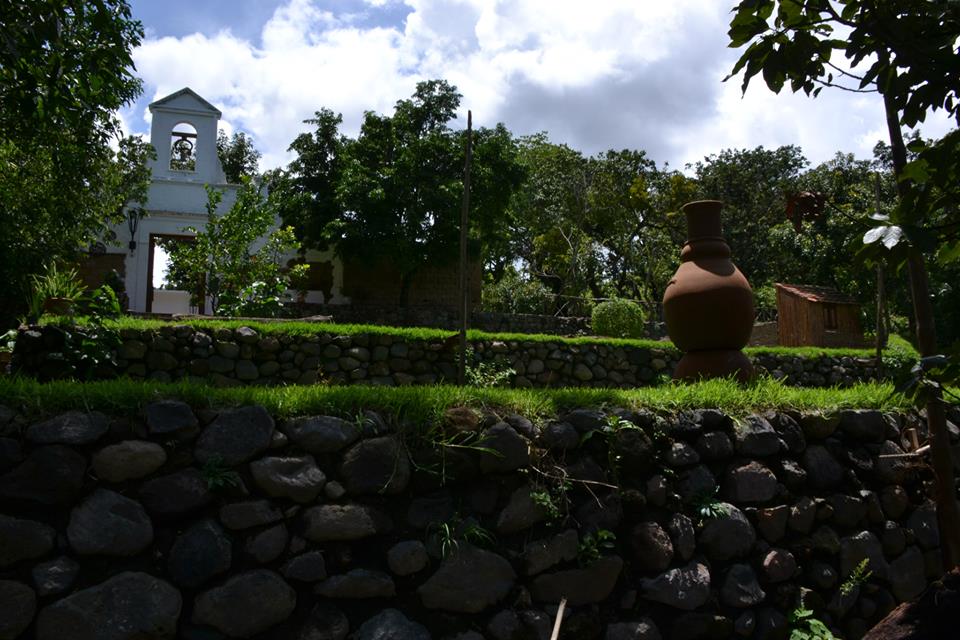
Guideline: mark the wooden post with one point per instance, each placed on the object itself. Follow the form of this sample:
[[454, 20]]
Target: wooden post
[[881, 329], [464, 282]]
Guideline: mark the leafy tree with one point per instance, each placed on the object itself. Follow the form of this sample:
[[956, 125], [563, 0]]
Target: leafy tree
[[238, 157], [223, 264], [905, 51], [65, 69], [516, 293], [753, 184], [593, 227], [393, 194]]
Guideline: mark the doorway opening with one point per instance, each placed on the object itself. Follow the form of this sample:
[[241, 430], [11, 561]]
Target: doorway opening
[[167, 292]]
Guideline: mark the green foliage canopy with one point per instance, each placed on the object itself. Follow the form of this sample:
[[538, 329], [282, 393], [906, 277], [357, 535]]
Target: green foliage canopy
[[65, 68], [238, 157], [393, 194], [222, 263]]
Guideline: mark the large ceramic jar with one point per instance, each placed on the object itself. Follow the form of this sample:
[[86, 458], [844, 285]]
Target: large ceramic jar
[[708, 304]]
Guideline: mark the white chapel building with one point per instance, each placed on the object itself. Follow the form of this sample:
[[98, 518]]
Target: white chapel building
[[184, 134]]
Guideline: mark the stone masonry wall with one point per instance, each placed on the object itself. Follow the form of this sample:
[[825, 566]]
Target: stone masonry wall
[[440, 317], [214, 523], [231, 357]]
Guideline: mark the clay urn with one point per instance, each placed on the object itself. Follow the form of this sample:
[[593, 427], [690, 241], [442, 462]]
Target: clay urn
[[708, 304]]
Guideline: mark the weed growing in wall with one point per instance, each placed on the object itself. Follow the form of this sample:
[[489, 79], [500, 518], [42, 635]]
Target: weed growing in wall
[[594, 545], [860, 574]]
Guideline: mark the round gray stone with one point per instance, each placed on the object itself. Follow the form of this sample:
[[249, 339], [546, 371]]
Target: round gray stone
[[107, 523], [325, 622], [334, 522], [740, 587], [750, 483], [247, 604], [729, 536], [199, 553], [686, 588], [295, 477], [823, 470], [24, 540], [55, 576], [390, 624], [468, 581], [176, 493], [407, 557], [266, 546], [357, 584], [589, 585], [72, 427], [235, 436], [308, 567], [50, 475], [376, 466], [642, 629], [128, 460], [167, 418], [512, 450], [18, 603], [651, 546], [521, 512], [128, 606], [321, 434]]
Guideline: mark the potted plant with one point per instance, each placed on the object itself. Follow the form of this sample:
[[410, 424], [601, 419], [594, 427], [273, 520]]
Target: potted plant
[[55, 292]]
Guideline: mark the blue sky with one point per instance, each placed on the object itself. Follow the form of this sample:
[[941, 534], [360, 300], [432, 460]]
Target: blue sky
[[644, 74]]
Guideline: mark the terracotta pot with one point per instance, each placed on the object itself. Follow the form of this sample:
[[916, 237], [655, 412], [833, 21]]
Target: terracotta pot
[[708, 304], [58, 306]]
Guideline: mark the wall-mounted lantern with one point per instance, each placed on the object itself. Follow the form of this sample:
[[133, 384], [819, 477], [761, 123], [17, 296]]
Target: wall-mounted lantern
[[133, 221]]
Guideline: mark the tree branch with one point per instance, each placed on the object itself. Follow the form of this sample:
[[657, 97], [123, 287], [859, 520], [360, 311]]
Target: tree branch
[[843, 88], [843, 72]]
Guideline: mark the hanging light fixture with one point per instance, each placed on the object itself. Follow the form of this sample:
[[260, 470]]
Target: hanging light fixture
[[133, 221]]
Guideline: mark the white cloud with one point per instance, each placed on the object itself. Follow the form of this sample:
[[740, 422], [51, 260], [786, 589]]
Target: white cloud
[[607, 73]]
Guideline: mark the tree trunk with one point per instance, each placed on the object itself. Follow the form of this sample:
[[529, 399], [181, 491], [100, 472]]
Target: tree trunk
[[948, 511]]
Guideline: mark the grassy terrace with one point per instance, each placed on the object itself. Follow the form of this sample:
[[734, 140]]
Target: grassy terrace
[[422, 333], [422, 404]]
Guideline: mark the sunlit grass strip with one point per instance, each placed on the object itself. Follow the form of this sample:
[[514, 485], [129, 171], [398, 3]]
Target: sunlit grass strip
[[295, 328], [425, 403]]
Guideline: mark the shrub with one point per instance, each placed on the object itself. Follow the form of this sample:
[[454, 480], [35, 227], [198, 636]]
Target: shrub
[[899, 357], [618, 319], [514, 293]]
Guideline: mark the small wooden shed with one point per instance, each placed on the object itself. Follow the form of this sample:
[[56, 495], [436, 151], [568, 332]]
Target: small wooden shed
[[814, 316]]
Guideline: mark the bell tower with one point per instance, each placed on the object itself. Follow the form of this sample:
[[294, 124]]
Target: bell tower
[[184, 134]]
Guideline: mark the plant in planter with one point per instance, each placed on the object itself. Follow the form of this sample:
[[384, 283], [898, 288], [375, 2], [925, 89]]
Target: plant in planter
[[55, 292]]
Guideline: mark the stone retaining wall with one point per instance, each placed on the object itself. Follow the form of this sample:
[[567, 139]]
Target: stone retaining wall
[[183, 523], [448, 318], [242, 356]]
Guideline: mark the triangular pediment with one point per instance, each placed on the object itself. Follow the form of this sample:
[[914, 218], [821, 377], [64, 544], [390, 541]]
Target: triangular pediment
[[185, 100]]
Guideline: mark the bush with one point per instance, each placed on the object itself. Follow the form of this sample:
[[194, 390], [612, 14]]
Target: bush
[[619, 319], [514, 293], [899, 357]]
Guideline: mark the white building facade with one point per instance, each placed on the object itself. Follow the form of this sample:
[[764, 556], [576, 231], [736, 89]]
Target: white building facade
[[184, 134]]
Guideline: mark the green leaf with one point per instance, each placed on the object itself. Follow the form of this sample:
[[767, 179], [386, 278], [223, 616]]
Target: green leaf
[[949, 252], [917, 171], [888, 235]]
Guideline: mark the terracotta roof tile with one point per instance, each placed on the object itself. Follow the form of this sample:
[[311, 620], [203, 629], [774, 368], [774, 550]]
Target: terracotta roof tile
[[815, 293]]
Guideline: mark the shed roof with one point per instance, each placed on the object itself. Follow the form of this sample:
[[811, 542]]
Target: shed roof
[[816, 293]]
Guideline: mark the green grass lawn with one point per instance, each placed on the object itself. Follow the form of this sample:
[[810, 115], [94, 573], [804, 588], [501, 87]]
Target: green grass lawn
[[425, 403], [296, 328]]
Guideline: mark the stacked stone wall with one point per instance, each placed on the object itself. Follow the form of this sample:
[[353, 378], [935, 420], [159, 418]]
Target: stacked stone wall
[[242, 356], [447, 317], [213, 523]]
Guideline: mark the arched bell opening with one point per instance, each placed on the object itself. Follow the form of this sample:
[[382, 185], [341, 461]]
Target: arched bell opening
[[183, 147]]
